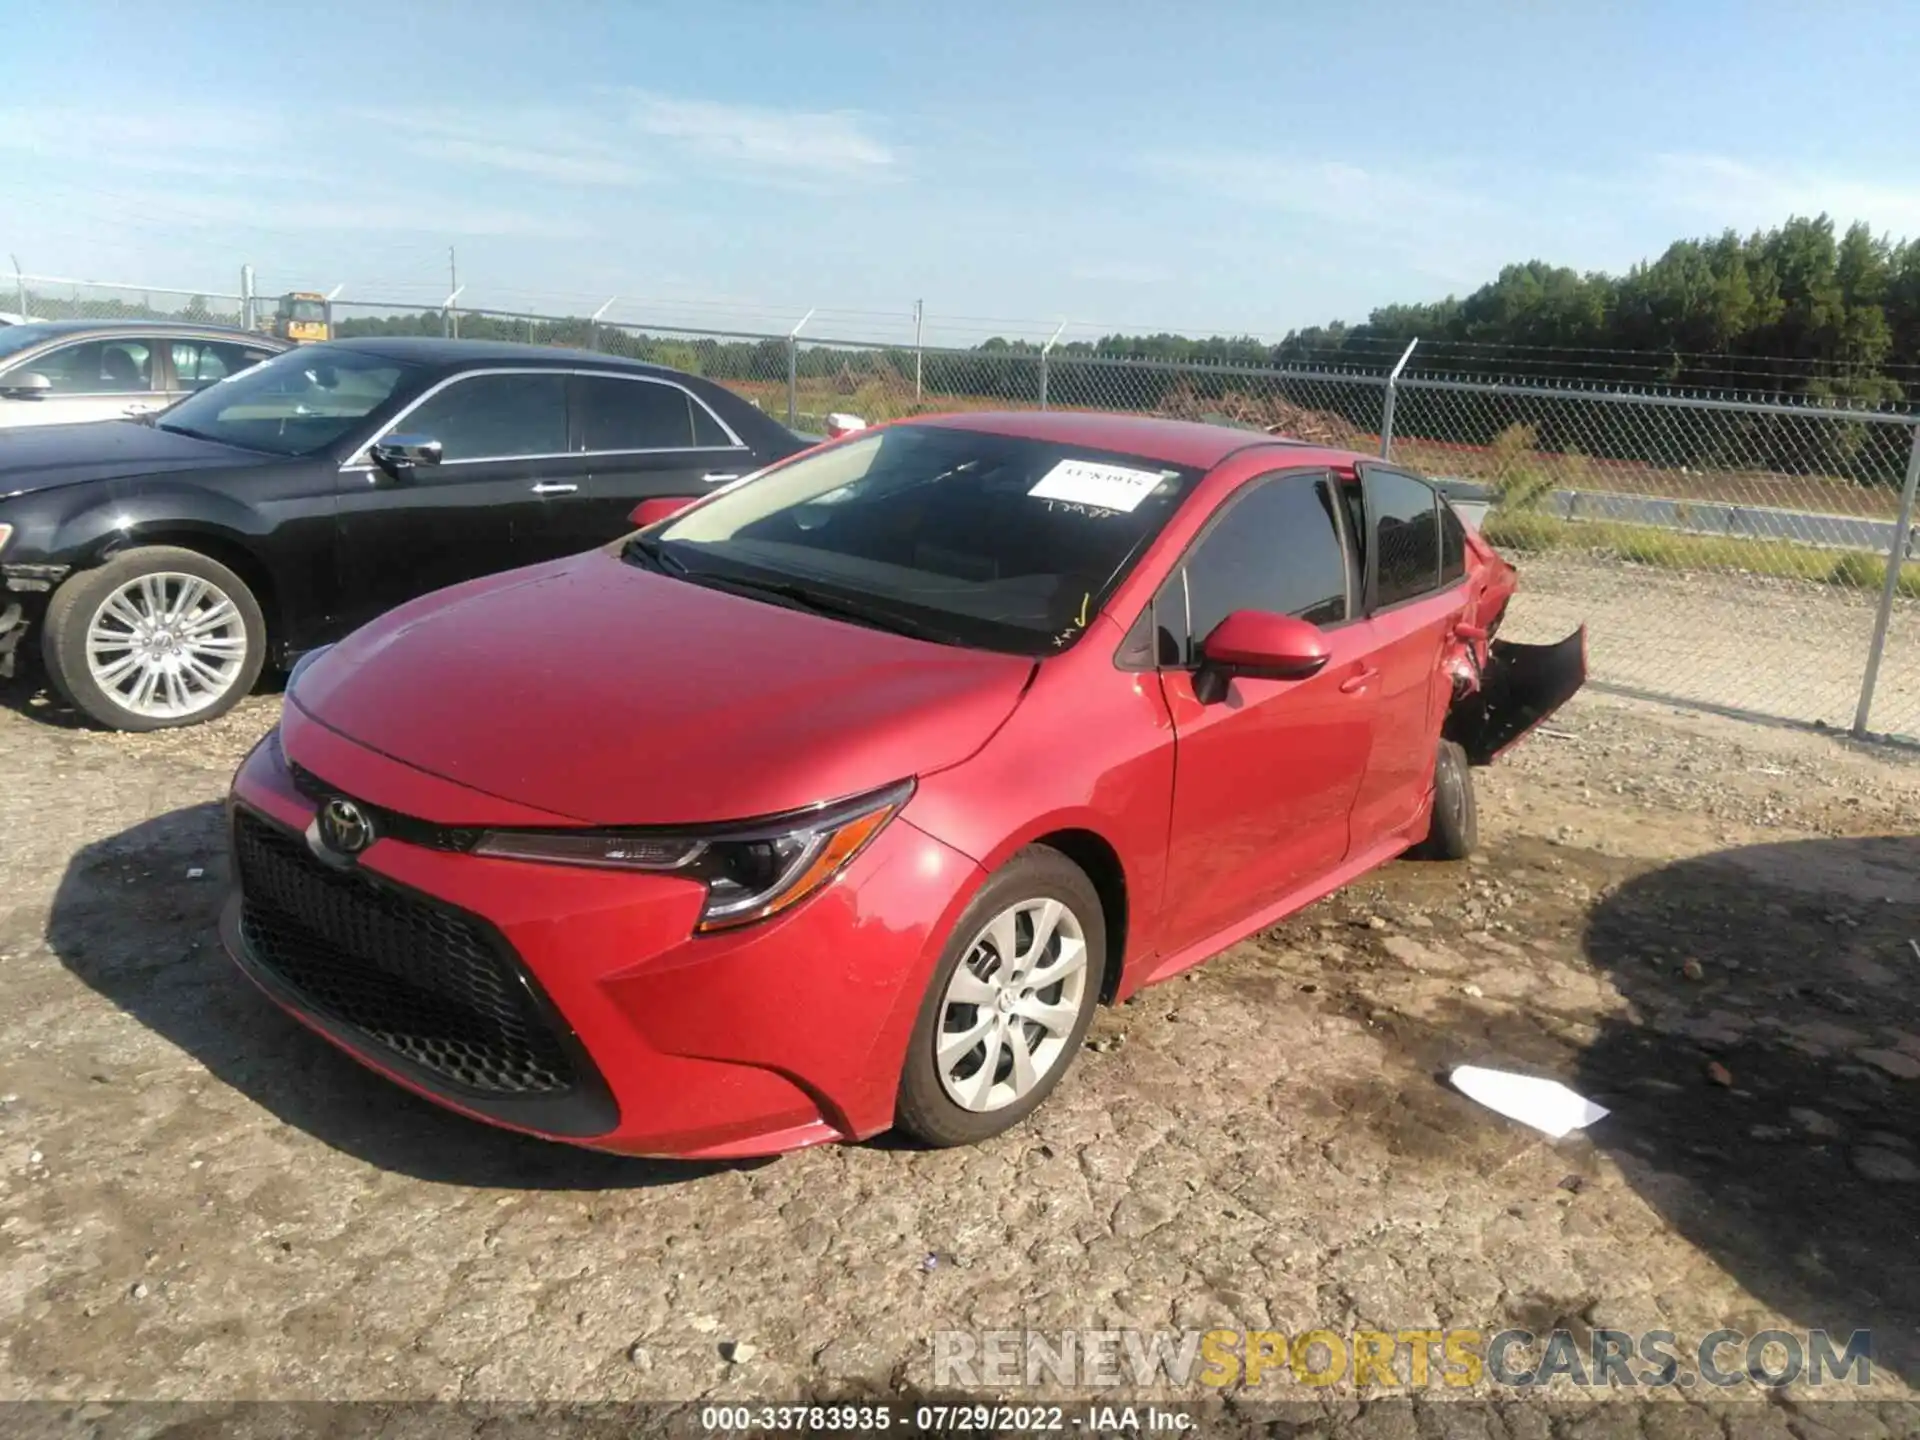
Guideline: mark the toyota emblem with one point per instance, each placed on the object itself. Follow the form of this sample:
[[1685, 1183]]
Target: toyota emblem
[[345, 828]]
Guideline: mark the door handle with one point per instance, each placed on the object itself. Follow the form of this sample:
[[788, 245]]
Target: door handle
[[1354, 684], [716, 477], [554, 487]]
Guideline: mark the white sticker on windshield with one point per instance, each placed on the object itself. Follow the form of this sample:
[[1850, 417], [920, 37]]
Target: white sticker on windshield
[[1106, 487]]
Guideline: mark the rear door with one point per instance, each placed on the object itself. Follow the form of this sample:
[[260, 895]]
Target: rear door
[[643, 437], [507, 492], [1264, 776], [193, 362], [1416, 594]]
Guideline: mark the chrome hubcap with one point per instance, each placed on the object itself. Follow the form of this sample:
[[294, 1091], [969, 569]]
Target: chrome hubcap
[[166, 645], [1011, 1005]]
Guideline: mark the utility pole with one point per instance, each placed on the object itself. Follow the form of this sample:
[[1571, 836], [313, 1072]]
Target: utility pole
[[919, 314], [453, 287]]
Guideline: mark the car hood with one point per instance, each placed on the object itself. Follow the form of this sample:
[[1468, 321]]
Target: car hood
[[39, 457], [591, 688]]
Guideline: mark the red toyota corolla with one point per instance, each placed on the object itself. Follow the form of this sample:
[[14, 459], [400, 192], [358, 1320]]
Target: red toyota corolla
[[840, 799]]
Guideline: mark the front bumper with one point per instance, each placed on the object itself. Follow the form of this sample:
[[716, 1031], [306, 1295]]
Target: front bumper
[[13, 629], [749, 1042]]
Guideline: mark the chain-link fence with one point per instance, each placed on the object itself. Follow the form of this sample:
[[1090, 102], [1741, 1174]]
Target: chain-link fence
[[43, 297], [1747, 556], [1730, 553]]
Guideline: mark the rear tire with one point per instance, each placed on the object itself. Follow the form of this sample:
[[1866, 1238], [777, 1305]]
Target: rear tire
[[988, 1046], [156, 637], [1453, 831]]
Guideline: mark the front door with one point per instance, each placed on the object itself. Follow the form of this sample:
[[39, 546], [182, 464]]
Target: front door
[[643, 438], [507, 492], [106, 379], [1265, 774]]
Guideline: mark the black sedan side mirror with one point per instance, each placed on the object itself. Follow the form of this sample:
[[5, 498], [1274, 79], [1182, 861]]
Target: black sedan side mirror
[[398, 454]]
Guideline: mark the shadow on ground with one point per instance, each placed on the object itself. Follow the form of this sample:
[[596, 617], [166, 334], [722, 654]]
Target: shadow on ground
[[29, 692], [1796, 1164], [128, 923]]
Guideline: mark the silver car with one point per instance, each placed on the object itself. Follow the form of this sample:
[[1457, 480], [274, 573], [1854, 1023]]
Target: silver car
[[61, 372]]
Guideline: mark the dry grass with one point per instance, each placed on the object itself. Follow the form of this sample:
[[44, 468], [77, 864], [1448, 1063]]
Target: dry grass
[[1673, 550]]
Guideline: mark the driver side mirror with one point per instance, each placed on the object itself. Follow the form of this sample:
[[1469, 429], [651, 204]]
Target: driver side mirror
[[1265, 646], [30, 386], [398, 454]]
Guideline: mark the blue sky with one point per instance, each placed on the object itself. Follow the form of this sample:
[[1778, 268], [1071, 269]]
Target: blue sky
[[1205, 167]]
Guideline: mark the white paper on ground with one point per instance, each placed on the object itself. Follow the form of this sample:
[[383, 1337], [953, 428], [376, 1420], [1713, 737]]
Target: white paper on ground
[[1546, 1105], [1087, 482]]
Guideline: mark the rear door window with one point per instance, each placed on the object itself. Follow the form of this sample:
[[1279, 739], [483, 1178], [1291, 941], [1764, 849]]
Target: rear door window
[[1403, 522], [617, 414], [199, 363]]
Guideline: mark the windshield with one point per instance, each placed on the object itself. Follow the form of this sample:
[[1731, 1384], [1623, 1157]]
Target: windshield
[[298, 403], [310, 312], [988, 540], [19, 337]]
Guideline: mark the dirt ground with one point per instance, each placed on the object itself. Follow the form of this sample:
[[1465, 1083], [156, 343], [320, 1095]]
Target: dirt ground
[[1708, 926]]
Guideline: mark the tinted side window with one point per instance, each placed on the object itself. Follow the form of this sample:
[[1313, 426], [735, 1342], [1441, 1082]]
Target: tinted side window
[[96, 367], [1275, 548], [495, 417], [1406, 536], [707, 431], [1453, 546], [198, 363], [641, 415]]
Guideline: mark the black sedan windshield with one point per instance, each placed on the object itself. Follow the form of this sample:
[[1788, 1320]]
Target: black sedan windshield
[[298, 403], [997, 541]]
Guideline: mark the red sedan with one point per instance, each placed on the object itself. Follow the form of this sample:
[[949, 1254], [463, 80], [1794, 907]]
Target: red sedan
[[840, 799]]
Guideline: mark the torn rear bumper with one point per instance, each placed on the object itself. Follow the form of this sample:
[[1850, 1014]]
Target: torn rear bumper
[[1521, 686]]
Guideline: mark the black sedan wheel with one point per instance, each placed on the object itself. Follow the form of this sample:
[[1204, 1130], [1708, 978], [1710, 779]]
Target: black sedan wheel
[[156, 637]]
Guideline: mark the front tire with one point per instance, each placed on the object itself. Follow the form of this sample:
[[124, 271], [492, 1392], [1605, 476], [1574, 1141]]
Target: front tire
[[156, 637], [1009, 1003], [1453, 831]]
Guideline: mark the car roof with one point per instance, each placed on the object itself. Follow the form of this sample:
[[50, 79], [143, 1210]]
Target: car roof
[[433, 350], [1172, 442], [54, 328]]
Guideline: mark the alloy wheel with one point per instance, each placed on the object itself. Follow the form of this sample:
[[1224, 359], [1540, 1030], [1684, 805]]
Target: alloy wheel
[[1011, 1004], [166, 645]]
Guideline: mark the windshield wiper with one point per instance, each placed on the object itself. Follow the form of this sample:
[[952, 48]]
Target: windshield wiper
[[190, 433], [655, 553], [861, 612]]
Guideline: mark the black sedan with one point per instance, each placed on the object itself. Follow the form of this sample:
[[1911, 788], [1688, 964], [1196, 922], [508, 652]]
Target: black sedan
[[166, 561]]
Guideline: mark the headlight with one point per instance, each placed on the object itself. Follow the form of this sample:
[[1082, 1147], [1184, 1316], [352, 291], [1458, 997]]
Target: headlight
[[300, 665], [751, 871]]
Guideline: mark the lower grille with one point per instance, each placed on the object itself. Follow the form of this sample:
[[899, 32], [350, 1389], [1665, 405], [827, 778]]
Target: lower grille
[[430, 985]]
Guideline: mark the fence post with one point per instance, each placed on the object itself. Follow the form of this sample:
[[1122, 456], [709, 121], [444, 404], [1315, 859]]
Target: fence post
[[449, 323], [793, 371], [1896, 549], [1045, 351], [919, 314], [19, 288], [1386, 408], [593, 325]]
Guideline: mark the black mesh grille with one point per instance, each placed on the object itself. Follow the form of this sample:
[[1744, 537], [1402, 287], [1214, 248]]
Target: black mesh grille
[[426, 983]]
